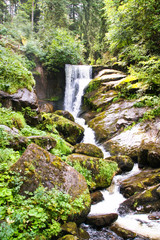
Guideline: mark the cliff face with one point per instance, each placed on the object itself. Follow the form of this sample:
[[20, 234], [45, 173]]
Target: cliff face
[[50, 85]]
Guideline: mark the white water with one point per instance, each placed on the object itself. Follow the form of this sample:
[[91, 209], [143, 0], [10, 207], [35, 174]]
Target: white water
[[77, 78]]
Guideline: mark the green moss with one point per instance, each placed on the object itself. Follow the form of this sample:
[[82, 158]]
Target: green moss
[[11, 118], [93, 85]]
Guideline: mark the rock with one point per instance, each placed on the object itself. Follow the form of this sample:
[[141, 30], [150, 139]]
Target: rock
[[122, 232], [22, 98], [46, 142], [71, 228], [149, 155], [139, 137], [143, 202], [88, 149], [139, 182], [65, 114], [125, 163], [46, 107], [38, 167], [98, 172], [15, 140], [102, 220], [69, 237], [70, 131], [96, 197], [111, 122], [154, 216]]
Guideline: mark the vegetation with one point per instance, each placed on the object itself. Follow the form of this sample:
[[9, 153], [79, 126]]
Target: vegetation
[[55, 33]]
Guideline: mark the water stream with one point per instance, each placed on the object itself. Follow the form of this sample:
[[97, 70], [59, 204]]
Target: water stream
[[77, 78]]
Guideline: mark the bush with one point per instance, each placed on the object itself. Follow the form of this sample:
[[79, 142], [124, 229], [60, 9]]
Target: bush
[[63, 49], [13, 73]]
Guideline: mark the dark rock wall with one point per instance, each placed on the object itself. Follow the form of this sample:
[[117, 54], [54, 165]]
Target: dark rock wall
[[50, 85]]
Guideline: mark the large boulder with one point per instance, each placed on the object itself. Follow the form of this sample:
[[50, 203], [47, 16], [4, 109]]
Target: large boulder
[[143, 202], [38, 167], [139, 182], [46, 142], [98, 172], [142, 136], [24, 100], [69, 130], [88, 149]]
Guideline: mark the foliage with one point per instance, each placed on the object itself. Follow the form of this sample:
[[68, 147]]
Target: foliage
[[62, 49], [11, 118], [13, 74], [84, 171]]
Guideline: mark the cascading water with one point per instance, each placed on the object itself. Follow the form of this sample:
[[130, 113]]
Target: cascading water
[[77, 78]]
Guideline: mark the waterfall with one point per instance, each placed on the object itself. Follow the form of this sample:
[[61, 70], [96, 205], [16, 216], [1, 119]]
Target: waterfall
[[77, 78]]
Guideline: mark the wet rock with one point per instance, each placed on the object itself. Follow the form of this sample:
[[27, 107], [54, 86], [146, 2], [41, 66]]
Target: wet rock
[[125, 163], [139, 182], [134, 140], [96, 197], [46, 142], [102, 220], [98, 172], [69, 237], [72, 228], [70, 131], [88, 149], [143, 202], [122, 232], [154, 216], [65, 114], [111, 123], [39, 167], [46, 107]]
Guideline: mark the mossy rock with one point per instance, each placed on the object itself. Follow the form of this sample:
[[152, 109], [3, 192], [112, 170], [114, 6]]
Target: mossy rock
[[69, 237], [98, 172], [125, 163], [71, 228], [88, 149], [143, 202], [70, 131], [46, 142], [38, 167], [65, 114], [140, 182]]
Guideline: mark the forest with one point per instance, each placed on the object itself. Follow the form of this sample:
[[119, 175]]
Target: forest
[[123, 34]]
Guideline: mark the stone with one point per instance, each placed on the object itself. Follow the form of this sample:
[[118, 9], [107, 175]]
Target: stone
[[122, 232], [88, 149], [71, 228], [154, 216], [46, 142], [139, 182], [69, 237], [102, 220], [100, 172], [22, 98], [69, 130], [46, 107], [125, 163], [65, 114], [15, 140], [38, 167], [143, 202], [96, 197]]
